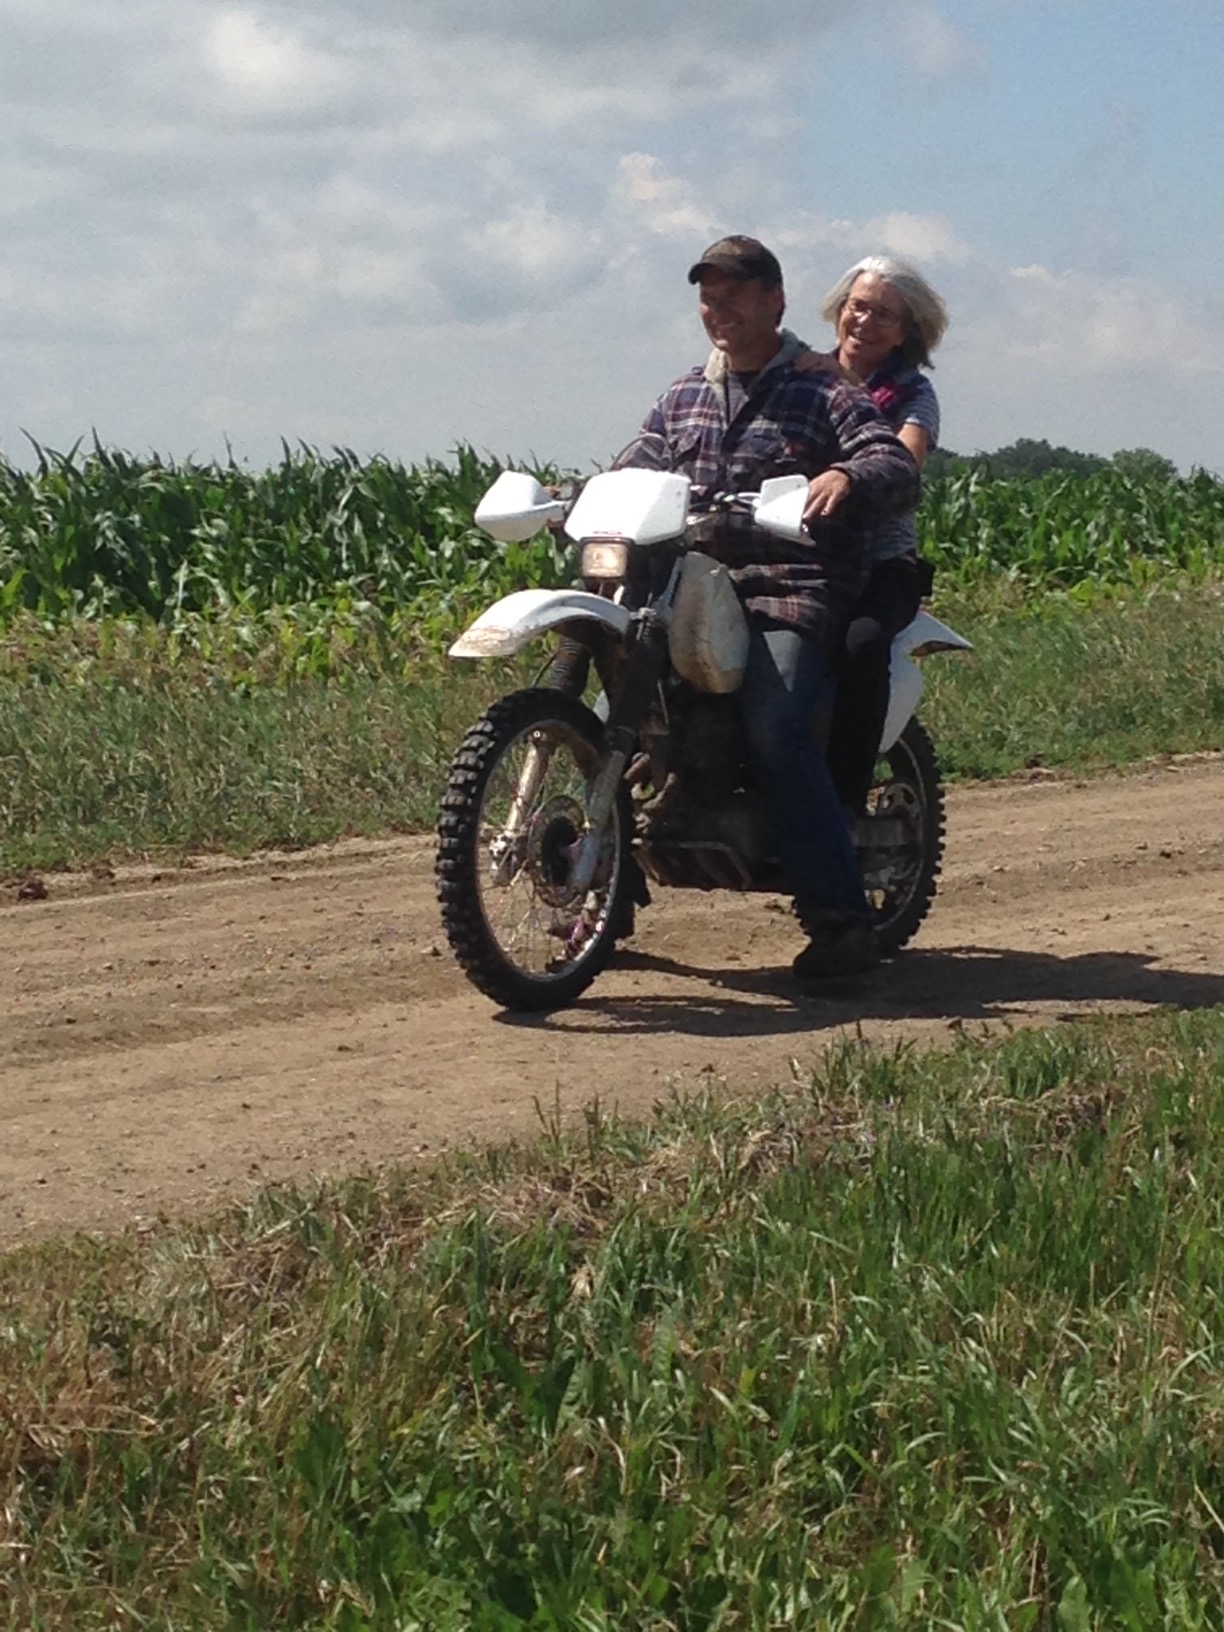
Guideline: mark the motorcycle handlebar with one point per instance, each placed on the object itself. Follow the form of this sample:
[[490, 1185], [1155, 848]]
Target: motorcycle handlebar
[[724, 503]]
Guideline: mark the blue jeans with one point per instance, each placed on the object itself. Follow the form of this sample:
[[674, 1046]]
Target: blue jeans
[[786, 679]]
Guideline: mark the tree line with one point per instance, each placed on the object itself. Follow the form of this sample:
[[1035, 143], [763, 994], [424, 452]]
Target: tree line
[[1030, 457]]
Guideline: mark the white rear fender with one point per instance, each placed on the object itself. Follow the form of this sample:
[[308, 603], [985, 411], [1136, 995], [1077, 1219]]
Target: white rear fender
[[924, 634], [927, 634], [904, 695], [516, 620]]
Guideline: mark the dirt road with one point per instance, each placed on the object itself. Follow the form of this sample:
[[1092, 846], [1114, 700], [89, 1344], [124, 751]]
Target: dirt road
[[170, 1038]]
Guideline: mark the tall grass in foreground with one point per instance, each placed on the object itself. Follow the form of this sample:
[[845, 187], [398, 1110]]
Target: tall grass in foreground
[[120, 738], [1077, 682], [919, 1341]]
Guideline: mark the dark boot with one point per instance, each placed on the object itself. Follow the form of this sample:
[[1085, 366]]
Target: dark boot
[[839, 943]]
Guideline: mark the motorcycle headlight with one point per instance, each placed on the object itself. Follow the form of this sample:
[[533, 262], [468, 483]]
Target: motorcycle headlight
[[605, 558]]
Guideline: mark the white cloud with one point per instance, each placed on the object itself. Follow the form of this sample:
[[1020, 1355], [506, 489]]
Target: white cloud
[[576, 25], [1095, 362], [29, 185], [1092, 323], [927, 238], [270, 66], [533, 243], [664, 202], [933, 45], [815, 250]]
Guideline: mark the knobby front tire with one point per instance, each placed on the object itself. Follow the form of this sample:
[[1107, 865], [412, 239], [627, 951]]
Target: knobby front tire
[[512, 814]]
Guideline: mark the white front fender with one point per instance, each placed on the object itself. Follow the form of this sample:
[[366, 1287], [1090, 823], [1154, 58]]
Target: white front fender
[[516, 620]]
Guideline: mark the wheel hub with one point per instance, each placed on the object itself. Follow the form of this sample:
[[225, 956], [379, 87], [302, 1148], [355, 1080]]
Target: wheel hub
[[889, 869], [554, 831]]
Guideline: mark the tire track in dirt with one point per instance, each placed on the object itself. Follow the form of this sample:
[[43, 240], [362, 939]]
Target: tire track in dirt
[[168, 1039]]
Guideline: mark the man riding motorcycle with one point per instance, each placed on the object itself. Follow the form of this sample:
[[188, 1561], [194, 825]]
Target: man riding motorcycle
[[764, 418]]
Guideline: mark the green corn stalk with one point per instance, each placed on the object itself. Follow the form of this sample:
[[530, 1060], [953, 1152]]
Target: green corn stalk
[[99, 532]]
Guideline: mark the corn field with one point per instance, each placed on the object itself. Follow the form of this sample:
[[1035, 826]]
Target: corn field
[[98, 533], [1061, 529], [109, 534]]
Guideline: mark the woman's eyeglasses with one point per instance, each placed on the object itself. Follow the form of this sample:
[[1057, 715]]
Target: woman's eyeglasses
[[881, 314]]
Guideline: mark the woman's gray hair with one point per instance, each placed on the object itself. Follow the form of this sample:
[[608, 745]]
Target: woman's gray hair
[[926, 314]]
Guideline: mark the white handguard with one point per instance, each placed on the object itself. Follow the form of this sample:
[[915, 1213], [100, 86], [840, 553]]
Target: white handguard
[[516, 508], [779, 510]]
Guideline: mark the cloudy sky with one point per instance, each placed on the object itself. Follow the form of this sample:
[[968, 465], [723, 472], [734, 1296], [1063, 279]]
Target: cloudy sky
[[395, 225]]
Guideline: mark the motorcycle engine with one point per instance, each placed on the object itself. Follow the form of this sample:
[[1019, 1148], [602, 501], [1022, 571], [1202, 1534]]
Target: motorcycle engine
[[705, 826], [709, 756]]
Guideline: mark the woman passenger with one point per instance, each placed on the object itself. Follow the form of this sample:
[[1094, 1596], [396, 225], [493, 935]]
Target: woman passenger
[[888, 320]]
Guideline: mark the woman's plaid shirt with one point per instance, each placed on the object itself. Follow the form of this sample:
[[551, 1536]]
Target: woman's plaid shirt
[[787, 423]]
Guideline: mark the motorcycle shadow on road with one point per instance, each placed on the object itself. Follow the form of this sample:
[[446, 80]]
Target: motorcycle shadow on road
[[954, 984]]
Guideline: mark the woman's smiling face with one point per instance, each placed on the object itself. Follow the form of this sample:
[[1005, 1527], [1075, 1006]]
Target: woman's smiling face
[[871, 325]]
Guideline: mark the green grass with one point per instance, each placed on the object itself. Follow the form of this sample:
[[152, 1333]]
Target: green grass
[[106, 771], [1078, 682], [121, 737], [921, 1340]]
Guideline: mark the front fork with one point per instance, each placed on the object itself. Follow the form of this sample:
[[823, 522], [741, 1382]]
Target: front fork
[[503, 850], [570, 667], [567, 672], [640, 674]]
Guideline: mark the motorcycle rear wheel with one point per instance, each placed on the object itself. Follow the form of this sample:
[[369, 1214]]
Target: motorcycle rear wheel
[[908, 785], [512, 814]]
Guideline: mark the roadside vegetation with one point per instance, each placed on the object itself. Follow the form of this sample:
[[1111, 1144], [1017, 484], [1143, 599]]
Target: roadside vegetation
[[210, 657], [119, 738], [918, 1340]]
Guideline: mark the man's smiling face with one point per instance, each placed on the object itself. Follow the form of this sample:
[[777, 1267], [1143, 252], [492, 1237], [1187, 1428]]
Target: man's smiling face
[[741, 315]]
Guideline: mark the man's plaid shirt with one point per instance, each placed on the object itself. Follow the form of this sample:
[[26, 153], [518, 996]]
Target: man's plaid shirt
[[787, 423]]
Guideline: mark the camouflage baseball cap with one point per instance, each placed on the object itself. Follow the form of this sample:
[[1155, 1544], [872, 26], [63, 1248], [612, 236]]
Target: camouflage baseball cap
[[739, 257]]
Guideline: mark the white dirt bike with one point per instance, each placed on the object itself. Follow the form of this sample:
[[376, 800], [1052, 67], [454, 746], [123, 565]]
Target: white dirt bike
[[555, 812]]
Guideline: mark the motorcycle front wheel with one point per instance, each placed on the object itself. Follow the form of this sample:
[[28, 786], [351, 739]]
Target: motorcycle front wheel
[[513, 818]]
